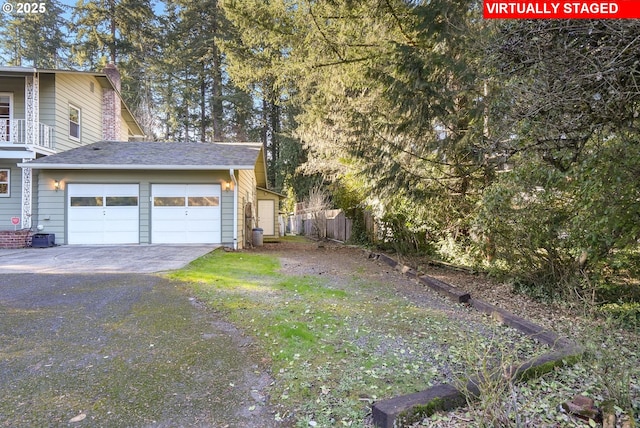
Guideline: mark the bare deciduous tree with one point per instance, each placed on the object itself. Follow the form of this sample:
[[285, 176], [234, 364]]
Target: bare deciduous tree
[[316, 205]]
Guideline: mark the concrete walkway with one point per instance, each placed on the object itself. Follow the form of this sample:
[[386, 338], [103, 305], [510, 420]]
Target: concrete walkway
[[70, 259]]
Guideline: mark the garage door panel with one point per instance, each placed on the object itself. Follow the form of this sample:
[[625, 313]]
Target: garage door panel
[[186, 213], [121, 190], [203, 190], [121, 237], [103, 213], [124, 214], [169, 190]]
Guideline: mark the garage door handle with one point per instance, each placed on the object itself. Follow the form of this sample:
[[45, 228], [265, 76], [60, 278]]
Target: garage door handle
[[186, 213]]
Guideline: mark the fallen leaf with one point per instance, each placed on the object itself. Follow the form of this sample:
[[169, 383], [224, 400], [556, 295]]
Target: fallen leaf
[[78, 418]]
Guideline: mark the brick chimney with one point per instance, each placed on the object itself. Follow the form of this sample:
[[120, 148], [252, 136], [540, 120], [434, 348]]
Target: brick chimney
[[111, 107]]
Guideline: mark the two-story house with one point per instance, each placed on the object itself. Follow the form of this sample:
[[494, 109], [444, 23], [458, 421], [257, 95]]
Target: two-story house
[[73, 164]]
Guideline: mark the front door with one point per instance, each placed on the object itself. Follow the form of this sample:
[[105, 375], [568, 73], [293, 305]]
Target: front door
[[6, 111]]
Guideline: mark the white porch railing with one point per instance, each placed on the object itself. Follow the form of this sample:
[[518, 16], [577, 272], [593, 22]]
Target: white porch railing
[[15, 131]]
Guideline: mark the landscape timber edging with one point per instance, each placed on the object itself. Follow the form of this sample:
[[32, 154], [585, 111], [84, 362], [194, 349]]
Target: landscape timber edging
[[407, 409]]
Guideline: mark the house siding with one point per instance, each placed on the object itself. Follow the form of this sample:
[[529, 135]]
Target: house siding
[[34, 199], [246, 194], [47, 111], [227, 217], [75, 89], [52, 204], [125, 132], [11, 206], [15, 86]]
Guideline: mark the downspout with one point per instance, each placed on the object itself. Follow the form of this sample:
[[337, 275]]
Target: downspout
[[235, 209]]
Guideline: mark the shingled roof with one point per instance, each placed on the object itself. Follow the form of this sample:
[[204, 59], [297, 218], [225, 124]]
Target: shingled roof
[[153, 155]]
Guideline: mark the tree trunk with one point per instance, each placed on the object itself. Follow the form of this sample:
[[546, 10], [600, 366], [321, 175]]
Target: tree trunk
[[217, 112], [203, 109]]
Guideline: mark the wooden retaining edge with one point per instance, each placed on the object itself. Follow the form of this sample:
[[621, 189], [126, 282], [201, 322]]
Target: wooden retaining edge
[[446, 289], [407, 409]]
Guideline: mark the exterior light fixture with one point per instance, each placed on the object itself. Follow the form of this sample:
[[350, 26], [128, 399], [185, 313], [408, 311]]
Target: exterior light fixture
[[56, 185], [227, 185]]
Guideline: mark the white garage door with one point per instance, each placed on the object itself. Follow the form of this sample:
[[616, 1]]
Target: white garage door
[[266, 216], [103, 214], [186, 214]]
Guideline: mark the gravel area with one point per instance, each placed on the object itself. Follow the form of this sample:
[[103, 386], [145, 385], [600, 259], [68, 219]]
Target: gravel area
[[341, 263], [122, 350]]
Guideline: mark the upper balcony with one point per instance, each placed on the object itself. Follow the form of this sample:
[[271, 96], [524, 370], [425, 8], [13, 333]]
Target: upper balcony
[[16, 132]]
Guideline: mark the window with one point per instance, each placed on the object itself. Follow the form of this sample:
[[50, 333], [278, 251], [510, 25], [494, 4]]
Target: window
[[122, 201], [203, 201], [74, 122], [86, 201], [168, 201], [5, 182]]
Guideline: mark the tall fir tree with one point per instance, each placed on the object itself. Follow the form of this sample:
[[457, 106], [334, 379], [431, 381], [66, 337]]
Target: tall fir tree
[[255, 52], [35, 39], [125, 33]]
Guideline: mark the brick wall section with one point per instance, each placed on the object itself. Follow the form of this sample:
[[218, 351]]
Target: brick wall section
[[111, 107], [15, 239]]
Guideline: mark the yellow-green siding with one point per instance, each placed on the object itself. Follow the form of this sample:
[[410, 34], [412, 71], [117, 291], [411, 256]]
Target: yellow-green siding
[[246, 195], [85, 93]]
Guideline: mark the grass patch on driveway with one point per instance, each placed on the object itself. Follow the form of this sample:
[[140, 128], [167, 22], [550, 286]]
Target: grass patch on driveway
[[335, 346]]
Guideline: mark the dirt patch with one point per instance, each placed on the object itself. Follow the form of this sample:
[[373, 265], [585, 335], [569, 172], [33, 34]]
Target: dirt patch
[[341, 263], [348, 268], [502, 295]]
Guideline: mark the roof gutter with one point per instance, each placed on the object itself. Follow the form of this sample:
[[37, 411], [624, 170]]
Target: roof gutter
[[36, 165], [235, 208]]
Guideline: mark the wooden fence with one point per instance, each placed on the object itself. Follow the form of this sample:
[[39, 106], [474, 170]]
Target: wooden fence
[[329, 224]]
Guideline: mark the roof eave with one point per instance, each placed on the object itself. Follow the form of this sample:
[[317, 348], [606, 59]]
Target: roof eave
[[133, 167], [280, 195]]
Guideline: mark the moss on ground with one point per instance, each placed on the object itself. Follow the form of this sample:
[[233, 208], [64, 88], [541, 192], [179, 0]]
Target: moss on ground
[[159, 362], [337, 343]]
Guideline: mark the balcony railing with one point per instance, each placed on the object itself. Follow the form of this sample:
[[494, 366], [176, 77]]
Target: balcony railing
[[15, 131]]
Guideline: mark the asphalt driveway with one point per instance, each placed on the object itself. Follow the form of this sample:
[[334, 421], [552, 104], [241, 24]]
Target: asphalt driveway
[[100, 259], [119, 350]]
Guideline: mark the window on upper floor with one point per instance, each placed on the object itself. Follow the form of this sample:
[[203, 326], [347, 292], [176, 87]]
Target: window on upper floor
[[74, 122], [5, 182]]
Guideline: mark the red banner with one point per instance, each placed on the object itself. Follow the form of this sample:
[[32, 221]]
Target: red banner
[[505, 9]]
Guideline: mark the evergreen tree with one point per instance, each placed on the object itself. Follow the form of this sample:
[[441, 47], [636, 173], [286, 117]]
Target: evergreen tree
[[122, 32], [35, 39], [194, 76], [256, 53]]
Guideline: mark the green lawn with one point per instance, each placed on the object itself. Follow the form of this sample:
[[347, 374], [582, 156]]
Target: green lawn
[[332, 348]]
